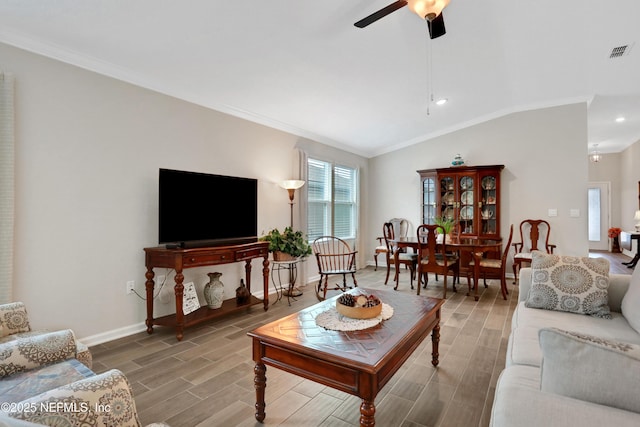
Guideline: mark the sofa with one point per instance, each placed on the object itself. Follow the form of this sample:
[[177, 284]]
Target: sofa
[[45, 379], [567, 368]]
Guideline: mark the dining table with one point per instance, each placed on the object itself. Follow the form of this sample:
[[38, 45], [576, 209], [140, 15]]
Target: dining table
[[476, 247]]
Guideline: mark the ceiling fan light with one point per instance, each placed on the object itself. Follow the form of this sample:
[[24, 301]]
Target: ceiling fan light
[[427, 9]]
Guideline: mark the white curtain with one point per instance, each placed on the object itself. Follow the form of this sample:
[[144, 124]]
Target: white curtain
[[7, 186], [301, 167]]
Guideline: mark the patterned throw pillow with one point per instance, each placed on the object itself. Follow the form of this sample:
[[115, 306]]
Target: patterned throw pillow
[[13, 319], [568, 283], [590, 368]]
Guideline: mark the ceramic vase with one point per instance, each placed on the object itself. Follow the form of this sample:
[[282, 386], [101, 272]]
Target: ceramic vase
[[214, 291]]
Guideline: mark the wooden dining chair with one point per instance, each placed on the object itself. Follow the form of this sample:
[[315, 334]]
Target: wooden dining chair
[[534, 236], [334, 256], [433, 257], [408, 259], [400, 229], [494, 266]]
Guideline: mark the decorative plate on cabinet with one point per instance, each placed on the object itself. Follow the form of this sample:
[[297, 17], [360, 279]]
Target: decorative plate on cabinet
[[449, 198], [448, 213], [466, 183], [489, 182], [467, 198], [466, 213]]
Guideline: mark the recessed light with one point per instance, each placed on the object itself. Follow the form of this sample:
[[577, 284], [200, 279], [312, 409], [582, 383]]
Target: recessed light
[[441, 101], [620, 119]]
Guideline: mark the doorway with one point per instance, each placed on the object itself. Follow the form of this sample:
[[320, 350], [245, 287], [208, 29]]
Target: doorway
[[598, 215]]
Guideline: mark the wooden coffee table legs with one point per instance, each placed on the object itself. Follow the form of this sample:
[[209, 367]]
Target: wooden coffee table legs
[[435, 341], [367, 414], [260, 383]]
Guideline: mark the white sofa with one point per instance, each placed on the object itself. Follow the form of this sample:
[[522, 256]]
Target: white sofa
[[519, 399]]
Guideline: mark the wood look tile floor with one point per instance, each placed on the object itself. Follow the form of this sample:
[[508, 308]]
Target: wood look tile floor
[[207, 379]]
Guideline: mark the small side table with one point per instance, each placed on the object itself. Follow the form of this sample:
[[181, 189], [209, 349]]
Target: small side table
[[626, 242], [291, 275]]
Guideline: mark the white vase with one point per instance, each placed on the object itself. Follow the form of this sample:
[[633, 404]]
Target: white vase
[[214, 291]]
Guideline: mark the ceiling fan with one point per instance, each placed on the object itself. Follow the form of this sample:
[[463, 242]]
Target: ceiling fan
[[430, 10]]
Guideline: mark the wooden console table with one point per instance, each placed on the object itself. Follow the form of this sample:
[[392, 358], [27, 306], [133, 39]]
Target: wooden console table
[[626, 241], [179, 259]]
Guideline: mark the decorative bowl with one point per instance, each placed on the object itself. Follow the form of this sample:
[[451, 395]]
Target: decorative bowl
[[359, 312]]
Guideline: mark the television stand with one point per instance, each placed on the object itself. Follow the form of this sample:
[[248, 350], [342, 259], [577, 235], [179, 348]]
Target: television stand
[[179, 259]]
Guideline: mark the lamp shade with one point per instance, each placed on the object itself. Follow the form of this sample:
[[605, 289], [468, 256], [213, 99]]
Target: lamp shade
[[637, 216], [427, 9], [292, 184]]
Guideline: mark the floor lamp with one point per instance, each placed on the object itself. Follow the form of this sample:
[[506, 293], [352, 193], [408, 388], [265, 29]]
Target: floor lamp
[[291, 185]]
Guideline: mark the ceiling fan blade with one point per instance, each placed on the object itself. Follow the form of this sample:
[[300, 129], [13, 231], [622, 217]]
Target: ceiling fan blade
[[380, 14], [436, 27]]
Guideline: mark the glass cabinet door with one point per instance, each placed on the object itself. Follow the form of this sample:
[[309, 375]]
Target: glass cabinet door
[[448, 197], [429, 199], [488, 204], [466, 217]]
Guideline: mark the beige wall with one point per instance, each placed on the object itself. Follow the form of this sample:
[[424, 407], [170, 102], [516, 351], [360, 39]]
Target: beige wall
[[88, 152], [545, 167], [629, 178]]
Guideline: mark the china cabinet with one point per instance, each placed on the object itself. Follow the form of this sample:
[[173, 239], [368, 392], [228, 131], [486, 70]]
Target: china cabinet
[[470, 195]]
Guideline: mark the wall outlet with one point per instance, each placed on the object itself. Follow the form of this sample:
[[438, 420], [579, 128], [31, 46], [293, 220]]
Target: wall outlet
[[130, 286]]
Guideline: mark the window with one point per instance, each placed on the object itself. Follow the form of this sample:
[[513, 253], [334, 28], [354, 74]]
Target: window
[[594, 215], [332, 200]]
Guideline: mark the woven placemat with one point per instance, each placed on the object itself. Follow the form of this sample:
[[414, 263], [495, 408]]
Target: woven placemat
[[335, 321]]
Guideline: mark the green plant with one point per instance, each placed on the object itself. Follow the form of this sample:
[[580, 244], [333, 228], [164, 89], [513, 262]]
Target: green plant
[[446, 224], [290, 242]]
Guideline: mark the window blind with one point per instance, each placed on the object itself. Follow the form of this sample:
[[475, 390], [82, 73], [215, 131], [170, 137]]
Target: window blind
[[332, 197]]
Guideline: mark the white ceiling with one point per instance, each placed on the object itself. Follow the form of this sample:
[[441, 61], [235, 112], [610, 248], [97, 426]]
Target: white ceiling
[[302, 67]]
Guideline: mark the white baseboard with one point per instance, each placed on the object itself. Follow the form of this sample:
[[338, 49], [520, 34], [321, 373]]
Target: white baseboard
[[113, 334], [125, 331]]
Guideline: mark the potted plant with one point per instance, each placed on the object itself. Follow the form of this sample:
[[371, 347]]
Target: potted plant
[[288, 245], [446, 224]]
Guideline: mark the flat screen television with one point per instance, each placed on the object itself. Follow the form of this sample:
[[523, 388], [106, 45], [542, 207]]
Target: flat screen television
[[200, 209]]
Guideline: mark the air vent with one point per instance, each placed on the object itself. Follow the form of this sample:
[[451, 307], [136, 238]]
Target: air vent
[[620, 51]]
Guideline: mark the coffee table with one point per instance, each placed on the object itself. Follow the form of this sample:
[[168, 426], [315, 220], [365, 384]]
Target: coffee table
[[356, 362]]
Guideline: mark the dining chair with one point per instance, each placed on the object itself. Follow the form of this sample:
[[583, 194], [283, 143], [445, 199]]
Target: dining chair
[[408, 259], [495, 266], [534, 236], [433, 257], [334, 256], [400, 229]]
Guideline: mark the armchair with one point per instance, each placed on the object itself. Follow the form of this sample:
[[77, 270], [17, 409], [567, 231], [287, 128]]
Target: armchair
[[100, 400], [45, 379], [400, 229], [534, 236], [408, 259], [14, 325]]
